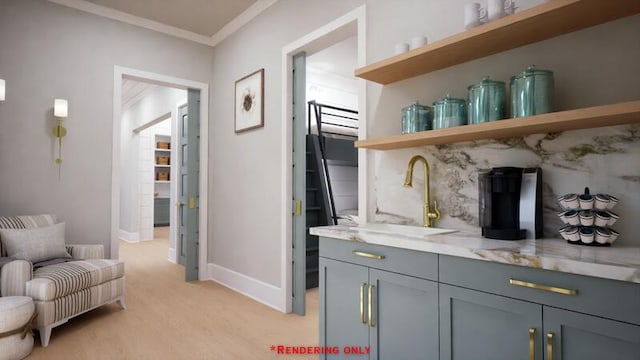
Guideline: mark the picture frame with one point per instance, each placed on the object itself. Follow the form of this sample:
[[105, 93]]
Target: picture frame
[[249, 102]]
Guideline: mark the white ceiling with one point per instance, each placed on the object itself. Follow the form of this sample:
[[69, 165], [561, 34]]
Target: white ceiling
[[339, 59], [205, 21], [134, 91]]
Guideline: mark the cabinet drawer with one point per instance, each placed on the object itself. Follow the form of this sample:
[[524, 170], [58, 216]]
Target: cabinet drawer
[[611, 299], [409, 262]]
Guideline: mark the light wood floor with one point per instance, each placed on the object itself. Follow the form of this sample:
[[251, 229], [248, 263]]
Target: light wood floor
[[167, 318]]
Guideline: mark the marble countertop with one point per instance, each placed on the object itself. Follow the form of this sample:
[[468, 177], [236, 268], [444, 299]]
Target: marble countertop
[[616, 262]]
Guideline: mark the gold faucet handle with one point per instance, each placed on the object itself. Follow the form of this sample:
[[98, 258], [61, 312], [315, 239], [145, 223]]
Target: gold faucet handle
[[436, 211]]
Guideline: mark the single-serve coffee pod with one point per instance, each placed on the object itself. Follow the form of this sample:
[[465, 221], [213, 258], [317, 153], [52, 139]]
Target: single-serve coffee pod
[[602, 236], [614, 236], [569, 201], [602, 218], [474, 15], [587, 235], [572, 217], [495, 9], [572, 234], [614, 217], [586, 218], [612, 201], [586, 201], [601, 201], [418, 41], [401, 48]]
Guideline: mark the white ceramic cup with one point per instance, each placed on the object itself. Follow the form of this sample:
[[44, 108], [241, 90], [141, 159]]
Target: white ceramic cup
[[401, 48], [418, 41], [474, 15], [509, 7], [495, 9]]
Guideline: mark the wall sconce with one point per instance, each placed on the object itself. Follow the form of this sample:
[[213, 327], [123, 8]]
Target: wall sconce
[[3, 89], [60, 111]]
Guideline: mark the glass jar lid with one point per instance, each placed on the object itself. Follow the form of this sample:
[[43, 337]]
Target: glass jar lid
[[416, 106], [449, 100], [486, 82], [532, 71]]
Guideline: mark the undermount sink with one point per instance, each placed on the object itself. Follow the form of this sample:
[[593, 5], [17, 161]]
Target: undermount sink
[[408, 230]]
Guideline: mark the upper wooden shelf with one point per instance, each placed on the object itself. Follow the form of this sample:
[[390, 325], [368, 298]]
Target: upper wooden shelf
[[598, 116], [548, 20]]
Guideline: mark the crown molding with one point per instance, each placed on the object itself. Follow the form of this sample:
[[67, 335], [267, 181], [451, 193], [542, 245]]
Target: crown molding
[[239, 21], [235, 24]]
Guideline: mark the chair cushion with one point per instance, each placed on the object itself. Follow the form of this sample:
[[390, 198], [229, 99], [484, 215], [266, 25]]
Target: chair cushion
[[37, 244], [55, 281]]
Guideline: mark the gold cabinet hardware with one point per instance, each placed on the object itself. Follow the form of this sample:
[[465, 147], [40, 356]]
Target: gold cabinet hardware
[[532, 343], [192, 202], [362, 286], [298, 208], [550, 346], [370, 304], [552, 289], [179, 204], [368, 255]]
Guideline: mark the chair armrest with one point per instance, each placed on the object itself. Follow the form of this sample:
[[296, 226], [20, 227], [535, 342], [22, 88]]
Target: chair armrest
[[14, 276], [86, 251]]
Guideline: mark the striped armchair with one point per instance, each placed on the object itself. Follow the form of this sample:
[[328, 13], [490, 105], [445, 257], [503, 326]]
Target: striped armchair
[[64, 290]]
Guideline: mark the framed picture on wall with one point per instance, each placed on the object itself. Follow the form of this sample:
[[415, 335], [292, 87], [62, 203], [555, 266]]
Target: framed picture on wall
[[249, 102]]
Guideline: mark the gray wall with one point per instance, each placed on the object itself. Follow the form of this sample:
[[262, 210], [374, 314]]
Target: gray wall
[[51, 51], [246, 175]]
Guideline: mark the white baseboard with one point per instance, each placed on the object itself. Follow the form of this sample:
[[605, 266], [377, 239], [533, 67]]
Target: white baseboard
[[129, 237], [172, 256], [257, 290]]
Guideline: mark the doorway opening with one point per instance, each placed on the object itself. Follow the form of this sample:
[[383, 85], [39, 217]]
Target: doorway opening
[[149, 110], [309, 65]]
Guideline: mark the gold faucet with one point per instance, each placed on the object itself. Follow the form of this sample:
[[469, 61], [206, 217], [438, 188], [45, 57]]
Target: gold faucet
[[428, 216]]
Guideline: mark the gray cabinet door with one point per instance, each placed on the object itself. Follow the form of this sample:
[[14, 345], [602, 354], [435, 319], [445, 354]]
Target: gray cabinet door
[[577, 336], [481, 326], [343, 321], [405, 317]]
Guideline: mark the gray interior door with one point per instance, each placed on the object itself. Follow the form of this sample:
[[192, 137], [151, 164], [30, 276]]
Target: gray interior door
[[189, 118], [299, 184]]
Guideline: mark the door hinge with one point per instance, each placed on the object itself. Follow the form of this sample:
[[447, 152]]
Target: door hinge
[[298, 208], [192, 202]]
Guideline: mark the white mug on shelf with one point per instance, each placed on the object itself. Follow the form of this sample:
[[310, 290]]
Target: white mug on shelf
[[509, 7], [418, 41], [495, 9], [474, 15], [401, 48]]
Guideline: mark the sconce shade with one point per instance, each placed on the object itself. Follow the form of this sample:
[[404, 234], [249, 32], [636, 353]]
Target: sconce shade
[[3, 90], [60, 108]]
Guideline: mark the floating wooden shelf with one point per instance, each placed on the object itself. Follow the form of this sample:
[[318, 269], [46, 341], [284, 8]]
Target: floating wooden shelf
[[593, 117], [545, 21]]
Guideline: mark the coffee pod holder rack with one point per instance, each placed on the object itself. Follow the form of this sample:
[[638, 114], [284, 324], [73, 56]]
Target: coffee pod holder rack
[[588, 219]]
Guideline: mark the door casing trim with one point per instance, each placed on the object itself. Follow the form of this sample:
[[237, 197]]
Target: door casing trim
[[163, 80]]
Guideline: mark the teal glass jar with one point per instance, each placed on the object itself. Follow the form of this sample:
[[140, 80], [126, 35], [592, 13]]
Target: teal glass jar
[[531, 92], [486, 101], [416, 117], [449, 112]]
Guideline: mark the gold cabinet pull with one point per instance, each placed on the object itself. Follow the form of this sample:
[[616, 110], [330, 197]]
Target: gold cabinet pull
[[370, 304], [552, 289], [550, 346], [368, 255], [532, 343], [362, 286]]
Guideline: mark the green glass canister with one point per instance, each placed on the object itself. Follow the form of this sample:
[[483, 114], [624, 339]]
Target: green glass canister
[[416, 117], [486, 101], [449, 112], [531, 92]]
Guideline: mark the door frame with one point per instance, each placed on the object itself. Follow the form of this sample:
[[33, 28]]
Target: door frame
[[163, 80], [353, 22]]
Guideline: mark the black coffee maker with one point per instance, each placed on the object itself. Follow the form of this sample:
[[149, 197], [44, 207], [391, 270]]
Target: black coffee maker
[[510, 200]]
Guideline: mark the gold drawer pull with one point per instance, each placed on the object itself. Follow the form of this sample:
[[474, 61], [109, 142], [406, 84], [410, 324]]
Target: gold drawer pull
[[368, 255], [553, 289], [532, 344], [362, 286], [550, 346]]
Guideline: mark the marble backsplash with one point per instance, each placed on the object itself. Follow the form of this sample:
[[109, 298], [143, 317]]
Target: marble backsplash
[[607, 160]]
